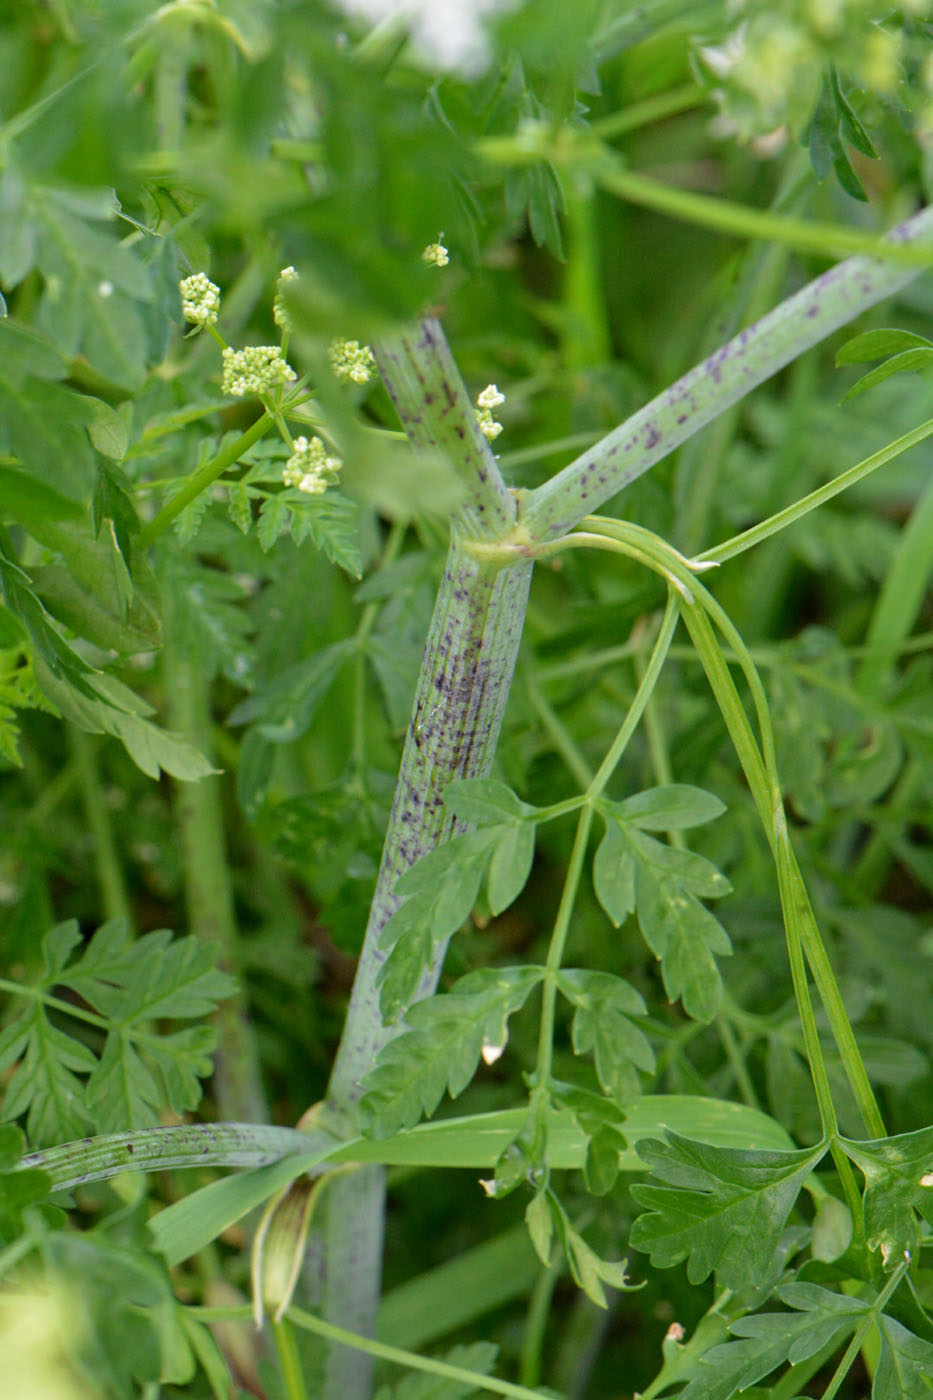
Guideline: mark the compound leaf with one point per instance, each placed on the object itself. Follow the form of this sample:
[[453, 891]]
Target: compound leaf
[[664, 885], [442, 1047], [602, 1026], [720, 1208], [770, 1339], [128, 985]]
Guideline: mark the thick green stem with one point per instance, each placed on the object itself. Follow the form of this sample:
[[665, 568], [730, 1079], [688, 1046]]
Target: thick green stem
[[720, 380], [462, 690], [208, 889]]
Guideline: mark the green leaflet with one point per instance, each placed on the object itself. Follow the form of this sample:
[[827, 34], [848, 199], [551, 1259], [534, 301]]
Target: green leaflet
[[635, 873], [602, 1026], [900, 351], [833, 126], [820, 1319], [330, 521], [719, 1208], [19, 1190], [18, 691], [905, 1368], [442, 887], [768, 1340], [898, 1175], [442, 1048], [546, 1217], [128, 985], [283, 707]]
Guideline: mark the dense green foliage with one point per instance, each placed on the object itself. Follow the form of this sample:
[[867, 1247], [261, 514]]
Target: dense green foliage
[[685, 1011]]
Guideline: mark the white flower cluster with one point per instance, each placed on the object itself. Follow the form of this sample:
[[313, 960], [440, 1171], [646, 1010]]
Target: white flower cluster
[[200, 299], [351, 360], [489, 399], [437, 254], [309, 468], [255, 370], [279, 309]]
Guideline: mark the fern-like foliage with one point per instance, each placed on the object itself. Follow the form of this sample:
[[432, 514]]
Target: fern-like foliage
[[18, 691], [87, 1053]]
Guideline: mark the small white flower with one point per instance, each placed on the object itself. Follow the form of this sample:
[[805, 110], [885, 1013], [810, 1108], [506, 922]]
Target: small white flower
[[351, 360], [486, 401], [436, 254], [490, 397], [255, 370], [309, 469], [279, 309], [200, 299]]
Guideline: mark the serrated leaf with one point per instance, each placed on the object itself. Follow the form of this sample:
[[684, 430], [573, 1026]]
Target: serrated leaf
[[632, 870], [721, 1208], [602, 1026], [153, 749], [898, 1175], [768, 1340], [589, 1271], [905, 1367], [130, 985], [663, 884], [440, 891], [331, 522], [441, 1049], [239, 506], [45, 1086]]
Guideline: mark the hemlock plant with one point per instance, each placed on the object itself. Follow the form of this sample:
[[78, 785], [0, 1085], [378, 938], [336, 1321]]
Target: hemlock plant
[[675, 809]]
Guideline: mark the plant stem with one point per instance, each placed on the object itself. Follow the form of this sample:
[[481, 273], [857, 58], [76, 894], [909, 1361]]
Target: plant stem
[[709, 388], [650, 109], [462, 690], [646, 685], [730, 548], [201, 479], [555, 953], [408, 1359], [289, 1360], [436, 412], [761, 774], [116, 901], [206, 869], [862, 1330]]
